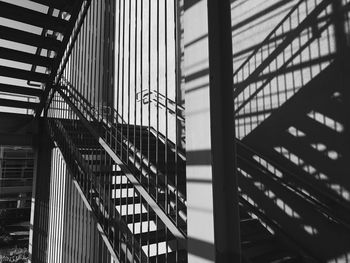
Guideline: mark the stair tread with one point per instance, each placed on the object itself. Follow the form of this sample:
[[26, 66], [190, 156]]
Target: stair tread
[[170, 257], [153, 237], [139, 217]]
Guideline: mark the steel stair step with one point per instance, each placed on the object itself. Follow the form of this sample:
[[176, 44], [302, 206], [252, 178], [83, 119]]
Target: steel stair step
[[153, 237], [139, 217], [126, 200]]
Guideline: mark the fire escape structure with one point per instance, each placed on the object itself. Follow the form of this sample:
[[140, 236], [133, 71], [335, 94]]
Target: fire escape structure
[[118, 126]]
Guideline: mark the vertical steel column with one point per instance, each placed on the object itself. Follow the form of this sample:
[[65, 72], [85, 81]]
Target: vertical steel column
[[339, 27], [343, 54], [225, 187], [212, 191], [40, 197]]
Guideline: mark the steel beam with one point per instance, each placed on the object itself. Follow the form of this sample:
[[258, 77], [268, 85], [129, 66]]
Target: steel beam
[[16, 140], [12, 123], [212, 191], [27, 38], [18, 104], [63, 5], [23, 74], [20, 90], [24, 57], [16, 189], [39, 211], [32, 17], [225, 185]]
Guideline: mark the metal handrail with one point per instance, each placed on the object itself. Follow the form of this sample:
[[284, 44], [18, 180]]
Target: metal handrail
[[146, 95], [66, 84], [94, 114]]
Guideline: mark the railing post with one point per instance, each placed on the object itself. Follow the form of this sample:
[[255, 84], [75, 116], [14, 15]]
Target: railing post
[[212, 191]]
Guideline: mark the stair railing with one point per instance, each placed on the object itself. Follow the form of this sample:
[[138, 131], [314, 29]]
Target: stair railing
[[83, 152], [119, 236], [170, 106], [106, 114], [112, 133], [163, 102]]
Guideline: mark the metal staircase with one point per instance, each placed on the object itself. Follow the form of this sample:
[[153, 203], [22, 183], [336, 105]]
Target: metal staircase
[[113, 197], [34, 38], [130, 224], [292, 170], [254, 234], [130, 144]]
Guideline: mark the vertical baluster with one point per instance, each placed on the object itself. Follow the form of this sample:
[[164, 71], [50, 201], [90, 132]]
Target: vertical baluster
[[117, 85], [166, 107], [141, 87], [122, 83], [129, 82], [135, 83], [177, 37], [149, 92]]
